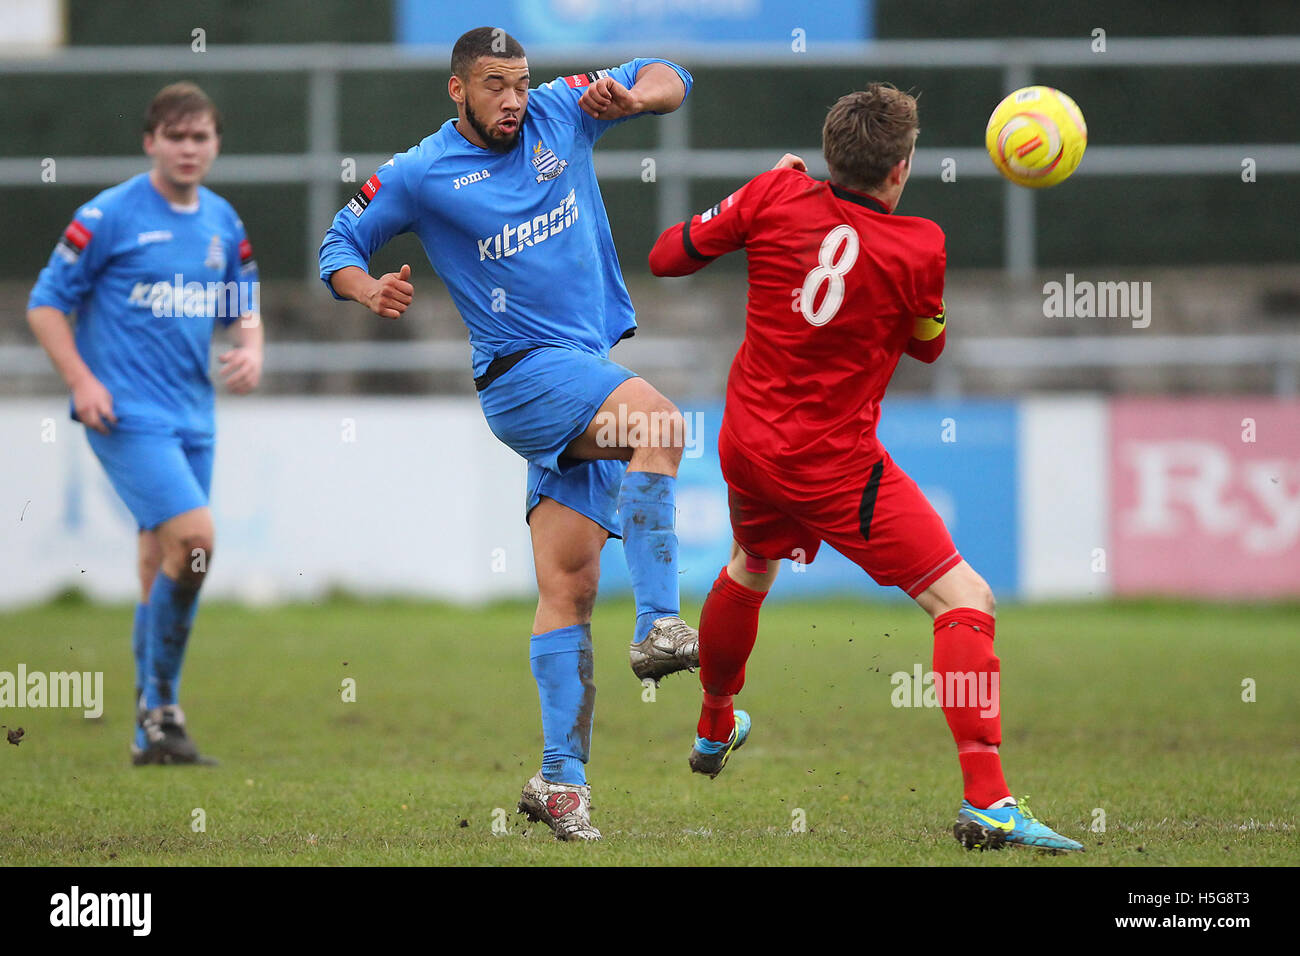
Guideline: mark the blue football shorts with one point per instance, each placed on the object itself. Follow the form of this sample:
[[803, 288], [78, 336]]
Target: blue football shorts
[[158, 471], [538, 407]]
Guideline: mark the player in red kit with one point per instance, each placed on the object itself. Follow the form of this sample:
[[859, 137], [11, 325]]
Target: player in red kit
[[839, 289]]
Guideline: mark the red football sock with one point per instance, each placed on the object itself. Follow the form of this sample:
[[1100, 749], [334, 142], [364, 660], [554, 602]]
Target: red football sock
[[967, 680], [728, 629]]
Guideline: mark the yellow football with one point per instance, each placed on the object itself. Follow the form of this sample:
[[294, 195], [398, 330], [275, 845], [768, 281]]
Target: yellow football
[[1036, 137]]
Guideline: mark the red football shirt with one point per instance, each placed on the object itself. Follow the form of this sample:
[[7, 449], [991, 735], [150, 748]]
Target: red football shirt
[[836, 284]]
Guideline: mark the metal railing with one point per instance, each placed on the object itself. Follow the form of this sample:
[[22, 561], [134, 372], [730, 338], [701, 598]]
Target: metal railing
[[1281, 353], [318, 168]]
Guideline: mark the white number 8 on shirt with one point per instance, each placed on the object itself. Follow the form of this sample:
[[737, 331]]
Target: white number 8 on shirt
[[838, 253]]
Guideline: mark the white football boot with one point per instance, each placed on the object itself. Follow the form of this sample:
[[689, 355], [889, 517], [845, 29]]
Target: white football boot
[[671, 646], [564, 807]]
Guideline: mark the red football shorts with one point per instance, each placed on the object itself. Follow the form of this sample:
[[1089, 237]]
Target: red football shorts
[[878, 519]]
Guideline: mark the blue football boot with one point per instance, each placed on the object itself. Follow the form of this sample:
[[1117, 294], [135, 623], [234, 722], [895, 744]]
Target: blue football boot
[[977, 829], [709, 756]]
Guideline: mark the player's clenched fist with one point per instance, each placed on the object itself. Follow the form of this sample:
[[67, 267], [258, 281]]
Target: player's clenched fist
[[94, 404], [241, 368], [608, 99], [391, 294]]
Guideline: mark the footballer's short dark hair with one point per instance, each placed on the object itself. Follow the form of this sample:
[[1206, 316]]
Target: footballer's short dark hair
[[867, 133], [177, 101], [481, 42]]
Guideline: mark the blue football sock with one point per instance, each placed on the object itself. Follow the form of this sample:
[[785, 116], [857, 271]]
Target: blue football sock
[[647, 510], [140, 646], [172, 606], [562, 666]]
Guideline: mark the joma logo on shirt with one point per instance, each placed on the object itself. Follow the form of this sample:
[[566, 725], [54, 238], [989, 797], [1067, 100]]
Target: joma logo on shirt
[[513, 238], [470, 178]]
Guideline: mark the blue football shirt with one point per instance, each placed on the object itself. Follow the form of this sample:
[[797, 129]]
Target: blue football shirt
[[520, 239], [148, 281]]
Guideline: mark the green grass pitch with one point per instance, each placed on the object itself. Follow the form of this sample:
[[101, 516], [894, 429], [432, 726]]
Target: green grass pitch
[[1133, 710]]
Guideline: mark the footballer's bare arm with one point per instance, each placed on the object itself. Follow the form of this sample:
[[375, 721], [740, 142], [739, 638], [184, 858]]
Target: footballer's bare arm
[[658, 89], [241, 366], [387, 296], [91, 400]]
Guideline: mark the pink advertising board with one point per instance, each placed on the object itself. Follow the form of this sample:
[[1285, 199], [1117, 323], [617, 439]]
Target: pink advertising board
[[1205, 497]]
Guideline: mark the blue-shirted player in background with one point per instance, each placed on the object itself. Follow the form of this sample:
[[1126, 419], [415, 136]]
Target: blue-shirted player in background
[[505, 202], [148, 266]]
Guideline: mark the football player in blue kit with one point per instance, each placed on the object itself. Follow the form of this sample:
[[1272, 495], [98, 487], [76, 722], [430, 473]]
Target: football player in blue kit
[[505, 202], [148, 267]]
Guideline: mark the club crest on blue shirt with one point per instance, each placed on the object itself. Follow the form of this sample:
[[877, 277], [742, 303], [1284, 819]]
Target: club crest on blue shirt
[[216, 255], [547, 164]]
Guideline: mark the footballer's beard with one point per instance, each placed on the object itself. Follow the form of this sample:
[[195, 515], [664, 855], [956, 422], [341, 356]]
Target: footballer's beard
[[496, 143]]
